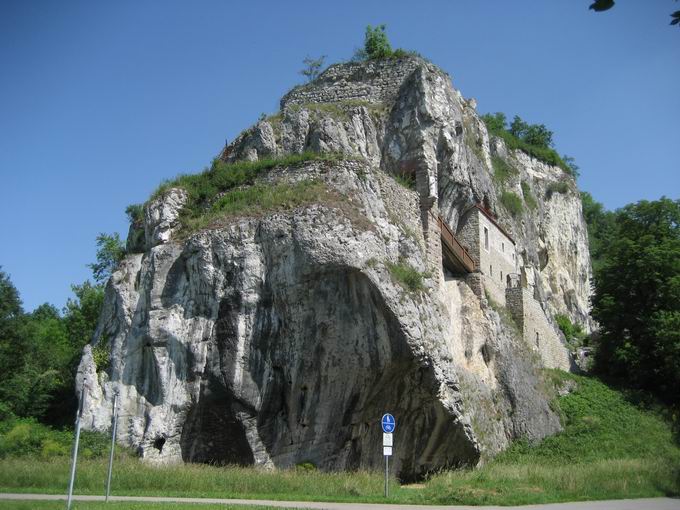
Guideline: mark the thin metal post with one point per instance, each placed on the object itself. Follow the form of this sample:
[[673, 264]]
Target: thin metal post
[[387, 474], [114, 426], [74, 459]]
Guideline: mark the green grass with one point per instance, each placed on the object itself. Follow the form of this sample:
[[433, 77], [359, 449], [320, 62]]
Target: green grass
[[529, 197], [203, 188], [556, 187], [512, 203], [116, 505], [502, 170], [407, 276], [609, 449], [256, 200], [405, 180]]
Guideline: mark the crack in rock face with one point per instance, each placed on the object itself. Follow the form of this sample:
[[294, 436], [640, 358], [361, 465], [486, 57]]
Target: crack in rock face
[[282, 337]]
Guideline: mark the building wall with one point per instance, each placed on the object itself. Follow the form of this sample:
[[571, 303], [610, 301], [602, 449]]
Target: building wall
[[540, 334], [496, 259], [374, 81]]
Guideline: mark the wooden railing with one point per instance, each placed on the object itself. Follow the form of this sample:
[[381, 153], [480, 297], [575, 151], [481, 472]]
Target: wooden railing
[[450, 244]]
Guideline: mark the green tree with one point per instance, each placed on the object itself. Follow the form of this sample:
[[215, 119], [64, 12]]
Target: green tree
[[538, 135], [495, 123], [40, 351], [11, 323], [110, 251], [376, 44], [601, 227], [518, 127], [637, 298], [312, 67]]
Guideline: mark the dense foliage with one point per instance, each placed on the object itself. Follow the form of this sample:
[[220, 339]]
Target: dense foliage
[[40, 350], [25, 437], [600, 228], [377, 46], [637, 296], [534, 139], [203, 189], [572, 332]]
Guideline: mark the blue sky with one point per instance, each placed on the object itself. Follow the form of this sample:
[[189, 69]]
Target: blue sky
[[101, 101]]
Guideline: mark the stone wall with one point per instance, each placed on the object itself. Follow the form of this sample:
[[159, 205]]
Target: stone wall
[[468, 234], [536, 329], [373, 81], [495, 260]]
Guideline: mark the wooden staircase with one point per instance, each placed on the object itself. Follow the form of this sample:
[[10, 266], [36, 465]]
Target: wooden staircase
[[454, 255]]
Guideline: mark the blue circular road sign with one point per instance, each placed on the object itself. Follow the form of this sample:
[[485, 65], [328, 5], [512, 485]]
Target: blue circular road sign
[[388, 423]]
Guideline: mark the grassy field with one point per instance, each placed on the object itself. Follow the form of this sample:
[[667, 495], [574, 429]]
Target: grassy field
[[87, 505], [609, 449]]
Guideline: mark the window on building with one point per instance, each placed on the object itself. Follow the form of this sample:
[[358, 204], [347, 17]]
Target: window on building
[[503, 247], [486, 239], [490, 270], [501, 276], [538, 338]]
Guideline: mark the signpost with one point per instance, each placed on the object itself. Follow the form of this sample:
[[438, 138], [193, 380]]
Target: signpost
[[74, 459], [388, 425], [114, 426]]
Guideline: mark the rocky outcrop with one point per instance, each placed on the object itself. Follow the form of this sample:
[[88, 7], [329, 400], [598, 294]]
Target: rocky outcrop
[[281, 338]]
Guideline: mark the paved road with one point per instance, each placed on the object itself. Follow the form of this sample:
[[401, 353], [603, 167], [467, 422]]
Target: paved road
[[621, 504]]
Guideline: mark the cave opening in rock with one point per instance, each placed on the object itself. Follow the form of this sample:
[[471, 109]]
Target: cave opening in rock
[[158, 443], [213, 433]]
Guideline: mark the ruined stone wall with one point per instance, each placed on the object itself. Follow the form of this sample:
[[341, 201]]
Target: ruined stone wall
[[373, 81], [537, 330]]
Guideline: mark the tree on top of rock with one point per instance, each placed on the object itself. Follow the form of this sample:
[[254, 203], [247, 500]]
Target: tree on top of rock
[[376, 44]]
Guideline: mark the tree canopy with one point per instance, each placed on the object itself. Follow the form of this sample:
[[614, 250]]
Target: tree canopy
[[637, 294], [40, 350]]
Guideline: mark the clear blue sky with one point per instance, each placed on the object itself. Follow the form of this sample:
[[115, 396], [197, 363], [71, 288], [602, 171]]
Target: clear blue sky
[[100, 101]]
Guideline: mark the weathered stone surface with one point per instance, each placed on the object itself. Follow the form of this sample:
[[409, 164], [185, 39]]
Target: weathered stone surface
[[161, 216], [282, 338]]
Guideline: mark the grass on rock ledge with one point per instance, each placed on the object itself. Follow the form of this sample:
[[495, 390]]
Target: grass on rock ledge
[[216, 187], [609, 449], [407, 276]]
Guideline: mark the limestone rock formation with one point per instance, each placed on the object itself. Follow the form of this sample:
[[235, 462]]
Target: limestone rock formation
[[279, 338]]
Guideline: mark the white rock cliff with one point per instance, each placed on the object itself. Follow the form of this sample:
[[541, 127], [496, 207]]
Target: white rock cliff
[[280, 338]]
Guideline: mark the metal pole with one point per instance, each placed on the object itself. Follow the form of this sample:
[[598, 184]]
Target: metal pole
[[74, 459], [114, 426], [387, 470]]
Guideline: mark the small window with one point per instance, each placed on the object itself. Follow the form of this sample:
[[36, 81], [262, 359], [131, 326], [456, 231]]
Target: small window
[[538, 338], [486, 239], [503, 247], [491, 270], [501, 276]]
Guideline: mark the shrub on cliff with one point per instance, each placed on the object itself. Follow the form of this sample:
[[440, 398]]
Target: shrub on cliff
[[376, 44], [533, 139]]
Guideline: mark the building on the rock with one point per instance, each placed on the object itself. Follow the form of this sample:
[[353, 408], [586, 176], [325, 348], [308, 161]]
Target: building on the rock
[[492, 249], [495, 255]]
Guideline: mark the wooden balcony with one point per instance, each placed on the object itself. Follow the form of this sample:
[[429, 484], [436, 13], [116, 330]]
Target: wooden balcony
[[454, 255]]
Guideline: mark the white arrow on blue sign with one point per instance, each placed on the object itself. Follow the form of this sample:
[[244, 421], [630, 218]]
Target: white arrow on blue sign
[[388, 423]]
